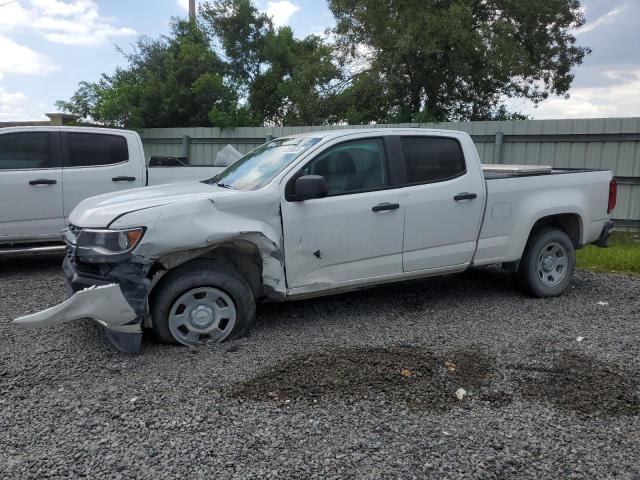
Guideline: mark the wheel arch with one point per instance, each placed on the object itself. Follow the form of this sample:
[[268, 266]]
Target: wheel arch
[[569, 223], [258, 260]]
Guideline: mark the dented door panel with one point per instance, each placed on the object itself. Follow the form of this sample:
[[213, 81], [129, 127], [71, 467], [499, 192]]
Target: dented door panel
[[338, 239]]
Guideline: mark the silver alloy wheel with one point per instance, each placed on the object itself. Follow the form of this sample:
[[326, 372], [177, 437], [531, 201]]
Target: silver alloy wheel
[[553, 263], [203, 314]]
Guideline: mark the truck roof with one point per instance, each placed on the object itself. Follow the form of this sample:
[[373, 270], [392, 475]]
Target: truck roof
[[70, 128], [328, 134], [325, 134]]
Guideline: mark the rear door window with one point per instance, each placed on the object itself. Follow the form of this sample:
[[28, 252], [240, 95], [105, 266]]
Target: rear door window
[[25, 151], [432, 159], [96, 149]]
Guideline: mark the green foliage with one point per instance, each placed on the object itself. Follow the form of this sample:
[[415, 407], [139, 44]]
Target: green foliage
[[176, 81], [286, 81], [390, 61], [623, 256], [458, 59]]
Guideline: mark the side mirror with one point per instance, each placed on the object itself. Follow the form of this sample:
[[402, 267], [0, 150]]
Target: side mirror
[[310, 186]]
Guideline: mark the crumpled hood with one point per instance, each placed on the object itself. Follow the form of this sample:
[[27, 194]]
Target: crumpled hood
[[101, 210]]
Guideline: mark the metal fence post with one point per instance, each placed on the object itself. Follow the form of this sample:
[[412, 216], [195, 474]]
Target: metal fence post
[[497, 152], [269, 138], [186, 141]]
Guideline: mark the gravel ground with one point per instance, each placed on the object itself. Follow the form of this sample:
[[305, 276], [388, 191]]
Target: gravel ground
[[359, 385]]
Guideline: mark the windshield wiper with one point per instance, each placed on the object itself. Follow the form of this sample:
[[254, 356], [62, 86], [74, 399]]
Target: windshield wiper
[[226, 185]]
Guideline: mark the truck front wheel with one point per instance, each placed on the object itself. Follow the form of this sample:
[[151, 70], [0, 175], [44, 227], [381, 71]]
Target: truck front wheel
[[548, 263], [202, 301]]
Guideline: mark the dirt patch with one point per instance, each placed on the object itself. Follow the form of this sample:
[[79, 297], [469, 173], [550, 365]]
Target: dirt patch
[[413, 377], [582, 384], [409, 376]]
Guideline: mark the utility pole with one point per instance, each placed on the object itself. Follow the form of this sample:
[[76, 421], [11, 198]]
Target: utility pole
[[192, 10]]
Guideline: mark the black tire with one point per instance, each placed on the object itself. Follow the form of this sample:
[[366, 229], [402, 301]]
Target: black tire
[[202, 273], [532, 276]]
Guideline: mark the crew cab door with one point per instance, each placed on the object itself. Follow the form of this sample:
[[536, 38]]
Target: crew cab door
[[444, 202], [356, 231], [30, 186], [96, 163]]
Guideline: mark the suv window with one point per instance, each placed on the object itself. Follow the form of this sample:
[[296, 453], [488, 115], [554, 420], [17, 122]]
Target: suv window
[[432, 159], [26, 150], [95, 149], [351, 167]]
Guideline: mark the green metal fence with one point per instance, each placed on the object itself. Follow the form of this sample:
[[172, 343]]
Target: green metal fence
[[611, 143]]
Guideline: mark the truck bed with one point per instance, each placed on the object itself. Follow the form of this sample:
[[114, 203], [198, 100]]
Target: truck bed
[[513, 206], [499, 171]]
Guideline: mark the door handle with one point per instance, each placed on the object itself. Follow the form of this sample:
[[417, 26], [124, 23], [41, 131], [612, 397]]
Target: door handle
[[383, 207], [123, 179], [465, 196], [42, 181]]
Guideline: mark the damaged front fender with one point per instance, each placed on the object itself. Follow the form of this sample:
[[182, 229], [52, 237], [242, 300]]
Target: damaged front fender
[[181, 232]]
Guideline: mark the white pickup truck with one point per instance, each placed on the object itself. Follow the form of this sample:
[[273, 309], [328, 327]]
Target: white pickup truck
[[46, 171], [316, 214]]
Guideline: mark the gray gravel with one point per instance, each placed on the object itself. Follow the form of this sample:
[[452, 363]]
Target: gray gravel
[[360, 385]]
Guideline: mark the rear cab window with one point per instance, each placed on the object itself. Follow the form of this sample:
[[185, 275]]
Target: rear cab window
[[96, 149], [432, 159], [25, 151]]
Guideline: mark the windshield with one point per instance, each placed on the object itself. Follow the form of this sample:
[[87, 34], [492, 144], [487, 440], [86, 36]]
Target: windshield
[[258, 167]]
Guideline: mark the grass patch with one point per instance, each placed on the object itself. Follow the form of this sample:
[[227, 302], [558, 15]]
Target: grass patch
[[623, 256]]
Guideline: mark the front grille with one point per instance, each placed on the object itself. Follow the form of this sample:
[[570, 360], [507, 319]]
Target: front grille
[[82, 267]]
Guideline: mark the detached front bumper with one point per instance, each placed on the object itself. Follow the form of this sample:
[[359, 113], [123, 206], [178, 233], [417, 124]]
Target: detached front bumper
[[114, 295], [105, 304]]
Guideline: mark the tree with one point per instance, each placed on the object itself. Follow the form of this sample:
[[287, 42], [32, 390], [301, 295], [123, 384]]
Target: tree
[[284, 80], [455, 59], [389, 61], [171, 82]]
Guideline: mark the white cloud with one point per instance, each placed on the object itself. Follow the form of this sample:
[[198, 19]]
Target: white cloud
[[17, 106], [76, 22], [11, 99], [13, 14], [71, 22], [58, 7], [281, 11], [184, 4], [605, 19], [17, 58], [617, 100]]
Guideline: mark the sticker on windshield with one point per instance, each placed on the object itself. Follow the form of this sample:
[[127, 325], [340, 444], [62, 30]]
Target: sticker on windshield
[[291, 149]]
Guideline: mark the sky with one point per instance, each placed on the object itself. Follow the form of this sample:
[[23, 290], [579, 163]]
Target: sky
[[48, 46]]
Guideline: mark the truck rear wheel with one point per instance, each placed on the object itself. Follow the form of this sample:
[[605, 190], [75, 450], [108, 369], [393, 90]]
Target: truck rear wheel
[[548, 263], [202, 301]]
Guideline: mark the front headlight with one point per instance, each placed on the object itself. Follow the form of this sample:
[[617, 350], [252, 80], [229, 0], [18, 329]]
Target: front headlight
[[109, 242]]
